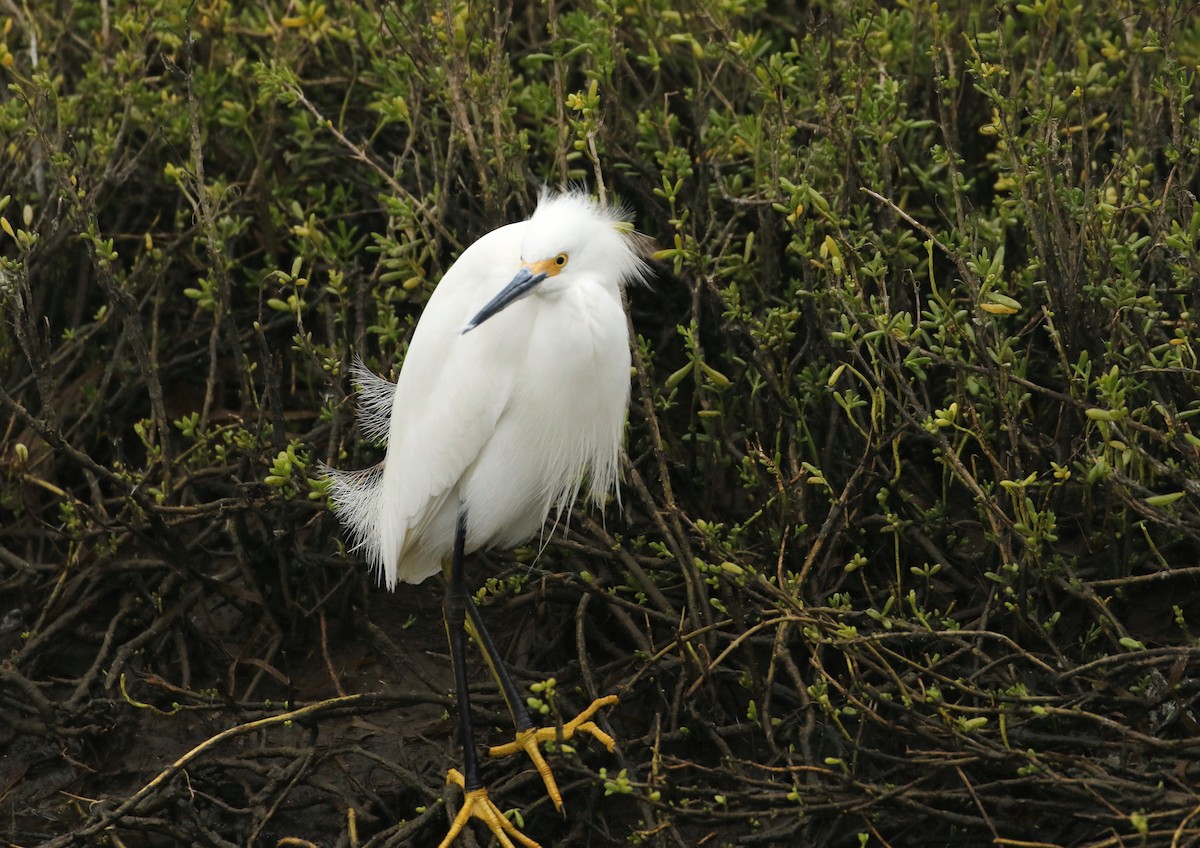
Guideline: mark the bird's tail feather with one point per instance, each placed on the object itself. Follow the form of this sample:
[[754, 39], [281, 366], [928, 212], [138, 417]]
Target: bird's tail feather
[[374, 395], [356, 496]]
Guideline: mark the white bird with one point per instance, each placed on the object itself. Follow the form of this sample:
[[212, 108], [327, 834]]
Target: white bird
[[514, 390]]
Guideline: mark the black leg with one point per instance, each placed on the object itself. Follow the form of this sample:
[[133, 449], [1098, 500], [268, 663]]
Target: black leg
[[454, 609], [516, 706]]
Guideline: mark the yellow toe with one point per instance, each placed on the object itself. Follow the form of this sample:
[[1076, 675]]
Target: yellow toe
[[530, 742], [477, 805]]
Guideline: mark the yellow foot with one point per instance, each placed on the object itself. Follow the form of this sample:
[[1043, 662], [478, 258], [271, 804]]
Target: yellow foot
[[529, 740], [477, 804]]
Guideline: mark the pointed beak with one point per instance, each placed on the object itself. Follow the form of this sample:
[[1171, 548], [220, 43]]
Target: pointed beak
[[517, 288]]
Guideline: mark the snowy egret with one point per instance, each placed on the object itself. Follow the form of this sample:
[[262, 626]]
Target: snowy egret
[[514, 388]]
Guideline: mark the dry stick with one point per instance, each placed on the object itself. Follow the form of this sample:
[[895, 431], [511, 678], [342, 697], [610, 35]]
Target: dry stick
[[617, 611], [458, 109], [983, 330], [585, 666], [359, 154], [54, 437], [675, 537], [956, 635], [593, 693], [675, 645], [627, 559], [31, 343], [1179, 830], [1190, 571], [1080, 405], [56, 615], [131, 803], [301, 767], [84, 684], [835, 514], [1001, 523], [676, 540], [158, 628], [203, 207], [1147, 657], [737, 641], [560, 97], [924, 230], [778, 646], [34, 695], [124, 305], [337, 682], [643, 375], [680, 549], [978, 804], [497, 61]]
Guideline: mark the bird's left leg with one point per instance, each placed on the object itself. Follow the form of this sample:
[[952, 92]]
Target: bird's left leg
[[476, 803], [529, 738]]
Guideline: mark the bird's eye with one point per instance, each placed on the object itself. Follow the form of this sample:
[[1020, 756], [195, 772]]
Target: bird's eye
[[560, 260]]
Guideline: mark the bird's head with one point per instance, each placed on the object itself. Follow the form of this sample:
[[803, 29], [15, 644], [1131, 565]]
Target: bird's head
[[570, 236]]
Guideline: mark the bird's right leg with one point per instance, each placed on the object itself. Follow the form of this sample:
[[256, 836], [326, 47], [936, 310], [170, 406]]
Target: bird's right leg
[[476, 803], [491, 655], [529, 738]]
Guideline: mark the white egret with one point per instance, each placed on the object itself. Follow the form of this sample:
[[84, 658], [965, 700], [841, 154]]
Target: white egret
[[514, 389]]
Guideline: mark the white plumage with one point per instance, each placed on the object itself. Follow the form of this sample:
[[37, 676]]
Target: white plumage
[[500, 408]]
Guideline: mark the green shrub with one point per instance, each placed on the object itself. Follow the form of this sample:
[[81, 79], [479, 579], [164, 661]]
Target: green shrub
[[910, 524]]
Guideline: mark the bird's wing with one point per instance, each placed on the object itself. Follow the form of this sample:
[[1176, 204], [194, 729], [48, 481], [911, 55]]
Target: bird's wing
[[442, 411], [453, 388]]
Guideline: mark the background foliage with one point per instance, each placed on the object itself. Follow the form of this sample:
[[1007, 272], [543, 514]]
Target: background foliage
[[908, 545]]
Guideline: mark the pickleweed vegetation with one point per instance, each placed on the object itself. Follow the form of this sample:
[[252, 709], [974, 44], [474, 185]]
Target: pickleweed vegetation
[[909, 534]]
